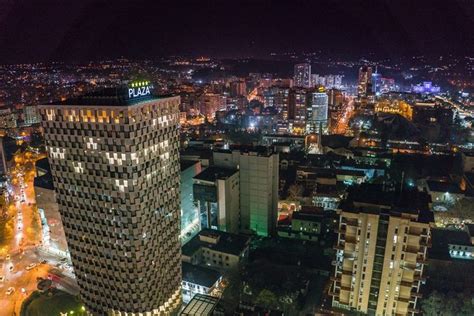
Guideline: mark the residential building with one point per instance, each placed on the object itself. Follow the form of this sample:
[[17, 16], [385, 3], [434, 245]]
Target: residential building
[[115, 164], [381, 251]]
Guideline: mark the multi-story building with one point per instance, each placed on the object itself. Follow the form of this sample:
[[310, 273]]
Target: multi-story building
[[302, 76], [210, 103], [216, 191], [381, 251], [8, 118], [190, 224], [217, 249], [278, 98], [297, 110], [115, 163], [317, 112], [238, 88], [32, 115], [364, 88], [258, 172], [199, 280], [395, 107]]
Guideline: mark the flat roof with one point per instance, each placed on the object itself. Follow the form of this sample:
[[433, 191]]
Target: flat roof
[[214, 173], [407, 201], [228, 243], [45, 181], [199, 275], [118, 96], [185, 164]]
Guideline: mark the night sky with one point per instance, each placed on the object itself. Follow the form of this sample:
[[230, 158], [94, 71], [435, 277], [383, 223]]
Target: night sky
[[41, 30]]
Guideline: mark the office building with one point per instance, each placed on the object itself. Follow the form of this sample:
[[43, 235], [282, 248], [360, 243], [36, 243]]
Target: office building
[[54, 240], [376, 82], [115, 163], [364, 88], [190, 223], [381, 251], [216, 191], [258, 172], [317, 112], [302, 76], [297, 110]]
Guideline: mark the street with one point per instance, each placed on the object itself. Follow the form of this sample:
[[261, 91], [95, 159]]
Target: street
[[20, 252]]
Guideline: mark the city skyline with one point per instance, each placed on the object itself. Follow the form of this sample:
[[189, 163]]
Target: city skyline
[[254, 157]]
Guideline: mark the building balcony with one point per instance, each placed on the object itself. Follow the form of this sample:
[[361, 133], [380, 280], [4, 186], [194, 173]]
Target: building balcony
[[419, 278], [404, 299], [416, 294], [338, 247], [413, 310], [333, 293]]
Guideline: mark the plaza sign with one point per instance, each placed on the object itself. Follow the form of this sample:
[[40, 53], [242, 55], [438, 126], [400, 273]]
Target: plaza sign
[[139, 89]]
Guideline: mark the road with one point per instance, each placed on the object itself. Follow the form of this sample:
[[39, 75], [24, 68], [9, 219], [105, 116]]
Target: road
[[344, 116], [22, 248]]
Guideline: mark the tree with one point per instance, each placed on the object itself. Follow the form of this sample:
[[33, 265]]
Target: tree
[[267, 299]]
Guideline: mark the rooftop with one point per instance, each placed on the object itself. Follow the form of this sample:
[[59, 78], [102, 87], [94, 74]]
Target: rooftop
[[395, 202], [199, 275], [228, 243], [200, 305], [443, 186], [118, 96], [45, 181], [214, 173], [441, 238], [43, 164], [185, 164]]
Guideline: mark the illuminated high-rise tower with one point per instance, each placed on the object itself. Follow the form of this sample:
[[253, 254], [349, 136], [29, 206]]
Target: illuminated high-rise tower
[[365, 81], [302, 76], [115, 162]]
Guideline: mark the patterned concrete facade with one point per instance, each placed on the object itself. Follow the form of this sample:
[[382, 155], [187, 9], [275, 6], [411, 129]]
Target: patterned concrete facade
[[116, 172]]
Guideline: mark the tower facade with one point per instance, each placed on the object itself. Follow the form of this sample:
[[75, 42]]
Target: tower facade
[[114, 158]]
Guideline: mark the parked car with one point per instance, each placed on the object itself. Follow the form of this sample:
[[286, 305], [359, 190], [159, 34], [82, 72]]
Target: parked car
[[10, 291], [30, 266]]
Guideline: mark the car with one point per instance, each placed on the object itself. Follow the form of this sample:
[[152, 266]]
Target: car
[[7, 257], [2, 278], [10, 268], [44, 261], [63, 259], [30, 266], [10, 291]]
